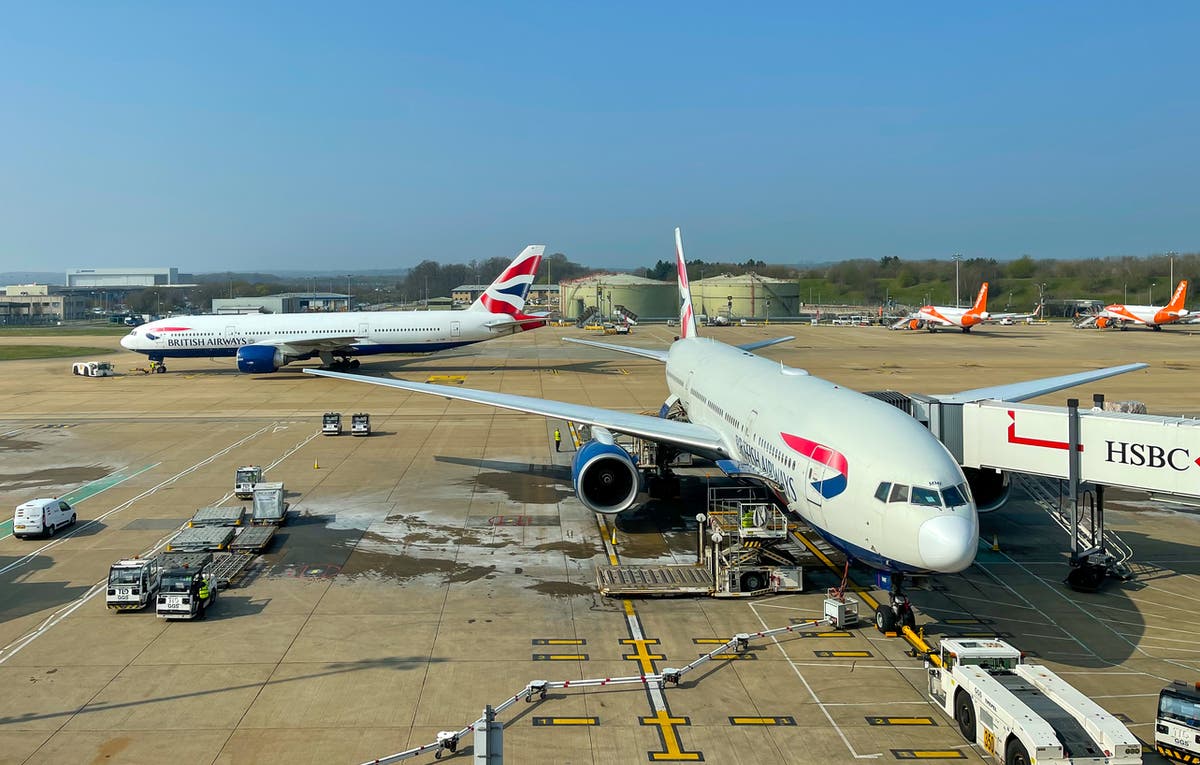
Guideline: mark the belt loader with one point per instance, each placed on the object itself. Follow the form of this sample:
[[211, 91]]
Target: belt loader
[[1023, 713], [179, 594], [132, 583]]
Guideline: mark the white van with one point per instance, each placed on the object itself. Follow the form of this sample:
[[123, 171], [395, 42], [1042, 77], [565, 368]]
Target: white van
[[42, 516]]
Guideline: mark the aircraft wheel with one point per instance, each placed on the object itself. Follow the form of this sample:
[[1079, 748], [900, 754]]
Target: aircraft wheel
[[1015, 753], [909, 619], [885, 619], [966, 329], [964, 715], [354, 364]]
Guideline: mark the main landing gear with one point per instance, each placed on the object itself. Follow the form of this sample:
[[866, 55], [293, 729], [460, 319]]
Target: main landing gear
[[338, 363], [898, 613]]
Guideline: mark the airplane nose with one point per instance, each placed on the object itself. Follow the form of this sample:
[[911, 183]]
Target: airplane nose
[[947, 543], [125, 342]]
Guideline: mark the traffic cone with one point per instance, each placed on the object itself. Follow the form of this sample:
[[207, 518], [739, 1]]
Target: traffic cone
[[316, 466], [995, 543]]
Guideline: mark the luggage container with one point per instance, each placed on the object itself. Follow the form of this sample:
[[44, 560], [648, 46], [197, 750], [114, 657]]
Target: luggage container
[[269, 504]]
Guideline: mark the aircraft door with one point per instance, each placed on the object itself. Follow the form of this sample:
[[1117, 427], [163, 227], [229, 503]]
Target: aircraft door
[[813, 477], [749, 424], [455, 329], [364, 329], [230, 334]]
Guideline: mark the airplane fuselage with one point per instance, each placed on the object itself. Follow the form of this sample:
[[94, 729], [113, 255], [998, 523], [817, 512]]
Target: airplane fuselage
[[1151, 316], [951, 317], [831, 450], [373, 332]]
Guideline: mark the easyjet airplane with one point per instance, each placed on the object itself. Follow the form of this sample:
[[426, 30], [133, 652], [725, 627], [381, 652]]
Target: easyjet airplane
[[934, 317], [1151, 316], [866, 476], [265, 342]]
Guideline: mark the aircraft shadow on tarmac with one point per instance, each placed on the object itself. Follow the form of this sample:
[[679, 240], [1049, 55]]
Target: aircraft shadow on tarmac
[[605, 367], [523, 482], [412, 663]]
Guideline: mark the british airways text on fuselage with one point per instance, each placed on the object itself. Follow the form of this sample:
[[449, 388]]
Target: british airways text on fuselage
[[767, 467], [207, 342]]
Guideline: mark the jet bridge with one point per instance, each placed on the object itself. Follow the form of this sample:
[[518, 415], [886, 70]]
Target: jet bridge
[[1088, 449]]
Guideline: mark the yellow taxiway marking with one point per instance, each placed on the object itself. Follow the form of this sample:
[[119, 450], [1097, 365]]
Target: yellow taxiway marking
[[709, 641], [673, 750], [928, 754], [762, 721], [560, 657], [961, 621], [900, 721], [559, 641], [566, 721], [733, 656], [642, 655]]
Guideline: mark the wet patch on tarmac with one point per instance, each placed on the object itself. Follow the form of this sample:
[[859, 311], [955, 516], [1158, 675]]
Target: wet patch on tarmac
[[17, 445], [576, 550], [52, 477], [561, 589], [528, 488]]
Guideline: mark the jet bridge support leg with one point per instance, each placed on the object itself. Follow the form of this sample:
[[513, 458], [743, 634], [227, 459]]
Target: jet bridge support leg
[[1089, 565]]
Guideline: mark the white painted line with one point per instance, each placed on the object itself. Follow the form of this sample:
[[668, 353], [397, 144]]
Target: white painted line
[[13, 648], [821, 705]]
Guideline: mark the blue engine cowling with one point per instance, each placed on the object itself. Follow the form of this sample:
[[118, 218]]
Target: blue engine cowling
[[989, 488], [257, 359], [605, 477]]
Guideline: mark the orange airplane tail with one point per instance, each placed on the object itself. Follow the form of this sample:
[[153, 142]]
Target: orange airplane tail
[[981, 301], [1179, 298]]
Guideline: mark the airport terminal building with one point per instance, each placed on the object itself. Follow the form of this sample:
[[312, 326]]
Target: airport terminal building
[[103, 278], [40, 304], [284, 302]]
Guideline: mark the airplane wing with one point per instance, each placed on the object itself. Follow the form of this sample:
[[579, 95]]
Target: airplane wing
[[648, 353], [692, 437], [764, 343], [1032, 388], [294, 346], [903, 321], [994, 317]]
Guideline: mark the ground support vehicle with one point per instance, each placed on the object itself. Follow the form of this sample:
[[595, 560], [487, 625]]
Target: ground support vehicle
[[269, 504], [216, 516], [1177, 727], [93, 369], [133, 583], [179, 597], [360, 425], [1024, 713], [201, 539], [243, 482], [331, 424], [42, 516]]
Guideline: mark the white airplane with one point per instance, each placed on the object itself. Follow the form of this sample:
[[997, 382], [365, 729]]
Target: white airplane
[[866, 476], [1151, 316], [933, 317], [265, 342]]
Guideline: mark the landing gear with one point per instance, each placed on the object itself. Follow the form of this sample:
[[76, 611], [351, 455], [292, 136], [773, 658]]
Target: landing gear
[[338, 363], [898, 612], [966, 329], [663, 485]]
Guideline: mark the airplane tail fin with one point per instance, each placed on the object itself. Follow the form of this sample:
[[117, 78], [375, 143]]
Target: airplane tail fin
[[1180, 296], [508, 292], [981, 301], [687, 317]]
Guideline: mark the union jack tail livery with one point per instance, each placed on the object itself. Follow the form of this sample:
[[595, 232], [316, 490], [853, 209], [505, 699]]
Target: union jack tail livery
[[507, 294], [687, 317]]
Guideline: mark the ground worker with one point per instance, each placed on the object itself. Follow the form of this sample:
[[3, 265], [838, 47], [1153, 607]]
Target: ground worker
[[202, 595], [557, 440]]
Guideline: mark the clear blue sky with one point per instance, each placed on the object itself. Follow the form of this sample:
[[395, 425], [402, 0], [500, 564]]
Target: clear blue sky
[[260, 136]]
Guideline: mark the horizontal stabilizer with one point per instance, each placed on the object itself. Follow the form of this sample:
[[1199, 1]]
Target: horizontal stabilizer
[[648, 353], [1032, 388], [765, 343]]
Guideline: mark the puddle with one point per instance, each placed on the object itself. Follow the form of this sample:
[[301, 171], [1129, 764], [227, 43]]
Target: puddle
[[52, 477], [15, 445], [524, 488], [576, 550]]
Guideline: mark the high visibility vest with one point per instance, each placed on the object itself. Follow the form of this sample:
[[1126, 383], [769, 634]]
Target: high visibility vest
[[204, 592]]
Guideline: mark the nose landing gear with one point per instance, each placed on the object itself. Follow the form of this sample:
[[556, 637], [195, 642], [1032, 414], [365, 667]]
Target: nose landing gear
[[898, 612]]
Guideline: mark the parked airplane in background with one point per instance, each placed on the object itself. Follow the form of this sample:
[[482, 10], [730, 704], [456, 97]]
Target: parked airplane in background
[[1151, 316], [266, 342], [865, 475], [934, 317]]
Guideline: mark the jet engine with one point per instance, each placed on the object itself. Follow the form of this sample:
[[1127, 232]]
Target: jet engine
[[605, 477], [257, 359], [1102, 322], [989, 488]]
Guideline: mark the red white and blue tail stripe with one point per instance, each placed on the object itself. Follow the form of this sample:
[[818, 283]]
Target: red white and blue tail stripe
[[508, 292], [687, 317]]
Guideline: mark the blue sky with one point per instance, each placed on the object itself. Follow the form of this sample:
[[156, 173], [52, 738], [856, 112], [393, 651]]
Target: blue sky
[[260, 136]]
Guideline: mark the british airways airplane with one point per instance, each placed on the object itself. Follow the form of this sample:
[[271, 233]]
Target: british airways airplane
[[866, 476], [265, 342]]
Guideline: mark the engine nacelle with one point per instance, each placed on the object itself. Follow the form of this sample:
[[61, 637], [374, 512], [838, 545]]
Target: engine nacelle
[[989, 488], [258, 359], [605, 477]]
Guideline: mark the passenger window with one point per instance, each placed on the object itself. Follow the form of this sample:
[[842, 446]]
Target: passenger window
[[926, 497], [899, 493], [881, 493]]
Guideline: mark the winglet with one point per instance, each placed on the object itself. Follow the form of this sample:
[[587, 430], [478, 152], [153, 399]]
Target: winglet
[[687, 317]]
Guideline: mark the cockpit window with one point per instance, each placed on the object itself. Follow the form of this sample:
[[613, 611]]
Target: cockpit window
[[953, 497], [899, 493], [926, 497], [881, 493]]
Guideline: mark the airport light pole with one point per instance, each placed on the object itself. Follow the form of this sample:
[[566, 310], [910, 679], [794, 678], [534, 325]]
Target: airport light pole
[[1151, 301], [349, 296], [957, 259], [1171, 258]]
